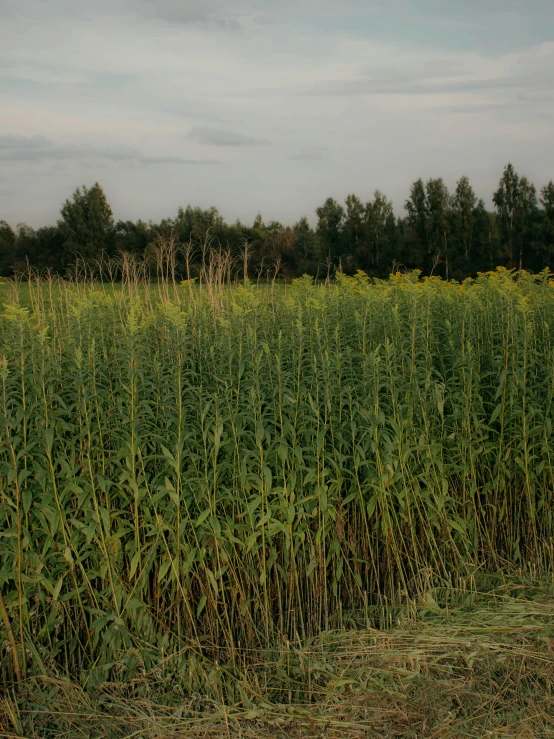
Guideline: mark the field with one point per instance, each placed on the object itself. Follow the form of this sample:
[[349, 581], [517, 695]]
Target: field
[[301, 510]]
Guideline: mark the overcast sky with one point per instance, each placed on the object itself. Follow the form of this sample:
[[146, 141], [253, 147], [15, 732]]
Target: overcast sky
[[267, 106]]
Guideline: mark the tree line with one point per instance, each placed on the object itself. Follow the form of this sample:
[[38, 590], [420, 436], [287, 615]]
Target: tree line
[[450, 234]]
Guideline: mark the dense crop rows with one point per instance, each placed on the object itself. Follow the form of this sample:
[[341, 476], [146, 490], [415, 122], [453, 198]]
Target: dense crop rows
[[185, 472]]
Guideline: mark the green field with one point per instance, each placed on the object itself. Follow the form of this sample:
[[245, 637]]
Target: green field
[[251, 510]]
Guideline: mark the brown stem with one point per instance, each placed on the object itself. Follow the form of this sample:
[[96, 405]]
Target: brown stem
[[7, 624]]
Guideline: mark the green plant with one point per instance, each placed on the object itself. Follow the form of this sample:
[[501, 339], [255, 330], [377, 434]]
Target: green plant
[[191, 475]]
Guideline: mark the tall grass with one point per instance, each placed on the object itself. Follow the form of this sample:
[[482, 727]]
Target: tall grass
[[188, 473]]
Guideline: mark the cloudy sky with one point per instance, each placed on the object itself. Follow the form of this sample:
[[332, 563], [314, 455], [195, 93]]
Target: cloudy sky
[[267, 106]]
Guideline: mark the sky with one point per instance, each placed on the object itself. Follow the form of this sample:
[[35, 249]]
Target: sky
[[259, 106]]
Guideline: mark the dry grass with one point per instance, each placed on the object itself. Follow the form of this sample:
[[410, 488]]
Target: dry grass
[[486, 669]]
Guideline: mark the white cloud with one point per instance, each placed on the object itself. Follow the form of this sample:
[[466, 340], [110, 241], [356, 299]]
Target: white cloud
[[219, 137], [39, 149], [310, 154]]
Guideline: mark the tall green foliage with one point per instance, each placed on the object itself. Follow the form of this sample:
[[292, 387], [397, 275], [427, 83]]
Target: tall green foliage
[[188, 472]]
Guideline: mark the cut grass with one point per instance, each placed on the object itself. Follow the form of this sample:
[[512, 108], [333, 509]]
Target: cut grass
[[484, 669]]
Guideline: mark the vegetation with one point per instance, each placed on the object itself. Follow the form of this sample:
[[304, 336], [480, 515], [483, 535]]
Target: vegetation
[[447, 234], [211, 493], [483, 666]]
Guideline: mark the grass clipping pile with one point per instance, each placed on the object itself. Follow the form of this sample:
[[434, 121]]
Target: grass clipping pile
[[482, 669]]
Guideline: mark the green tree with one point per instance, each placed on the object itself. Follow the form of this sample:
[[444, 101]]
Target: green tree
[[27, 247], [87, 223], [547, 200], [132, 237], [429, 218], [42, 249], [463, 211], [547, 225], [487, 242], [7, 249], [527, 221], [330, 222], [381, 235], [354, 230], [194, 224], [505, 200], [516, 204], [416, 237], [45, 249], [439, 221], [279, 246], [306, 247]]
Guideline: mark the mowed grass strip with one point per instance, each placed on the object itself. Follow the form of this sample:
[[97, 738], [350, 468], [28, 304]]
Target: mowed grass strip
[[483, 666]]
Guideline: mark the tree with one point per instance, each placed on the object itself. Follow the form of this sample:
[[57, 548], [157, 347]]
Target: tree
[[457, 227], [87, 223], [306, 247], [418, 221], [429, 218], [546, 226], [132, 237], [279, 247], [547, 200], [354, 223], [42, 249], [439, 219], [486, 239], [27, 248], [381, 234], [527, 218], [505, 200], [516, 205], [194, 224], [464, 203], [330, 228], [7, 249], [50, 248]]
